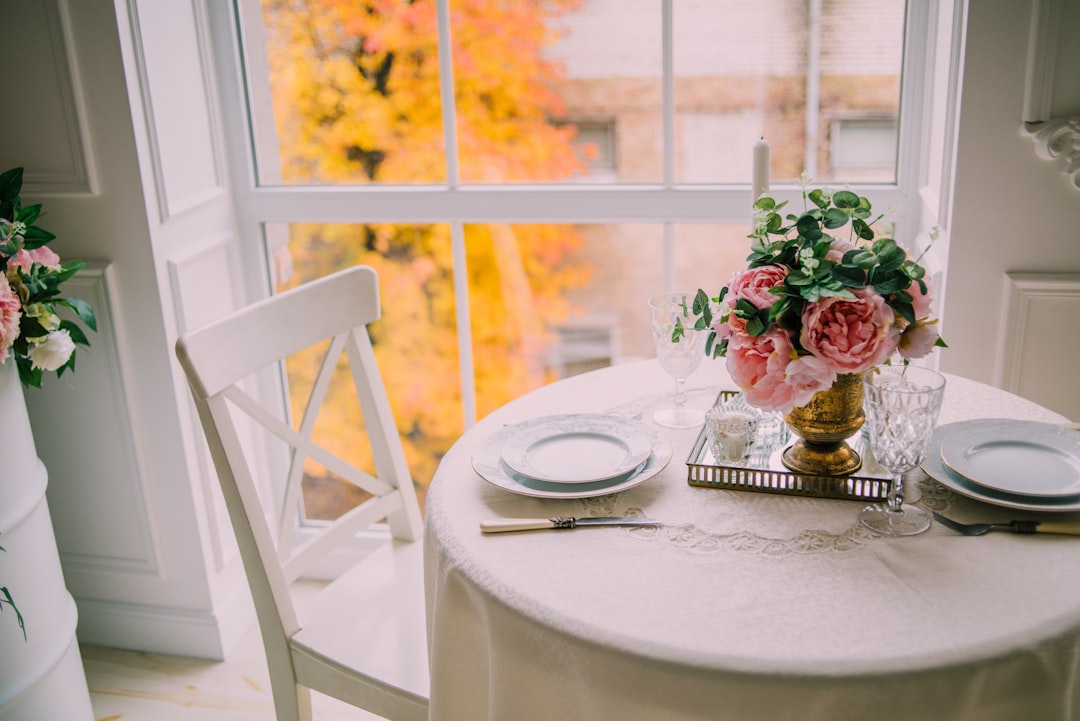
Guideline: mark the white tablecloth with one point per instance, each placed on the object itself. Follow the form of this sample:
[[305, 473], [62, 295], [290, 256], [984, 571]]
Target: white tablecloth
[[743, 605]]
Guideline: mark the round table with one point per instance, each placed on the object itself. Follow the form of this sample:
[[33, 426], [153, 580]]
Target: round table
[[742, 605]]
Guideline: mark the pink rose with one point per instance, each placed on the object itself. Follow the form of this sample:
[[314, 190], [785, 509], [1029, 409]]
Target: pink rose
[[757, 365], [722, 328], [838, 248], [807, 375], [753, 285], [920, 301], [918, 340], [10, 310], [26, 258], [850, 335]]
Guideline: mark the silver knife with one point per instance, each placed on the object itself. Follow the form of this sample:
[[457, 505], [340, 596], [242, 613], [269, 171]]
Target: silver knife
[[500, 525]]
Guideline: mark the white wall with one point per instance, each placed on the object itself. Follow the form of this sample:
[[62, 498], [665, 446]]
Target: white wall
[[1014, 212]]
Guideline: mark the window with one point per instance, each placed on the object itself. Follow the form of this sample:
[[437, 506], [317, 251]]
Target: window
[[525, 174]]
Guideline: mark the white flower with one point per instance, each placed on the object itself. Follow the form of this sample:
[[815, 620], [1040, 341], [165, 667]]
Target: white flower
[[51, 352]]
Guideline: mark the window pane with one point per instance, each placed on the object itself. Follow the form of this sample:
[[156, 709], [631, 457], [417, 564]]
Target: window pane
[[415, 343], [554, 300], [570, 90], [798, 74], [354, 89], [536, 79]]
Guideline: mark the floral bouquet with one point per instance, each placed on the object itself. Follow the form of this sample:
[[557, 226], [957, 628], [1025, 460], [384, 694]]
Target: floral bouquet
[[810, 306], [30, 329]]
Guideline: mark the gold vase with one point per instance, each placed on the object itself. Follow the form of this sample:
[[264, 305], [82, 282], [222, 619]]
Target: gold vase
[[823, 426]]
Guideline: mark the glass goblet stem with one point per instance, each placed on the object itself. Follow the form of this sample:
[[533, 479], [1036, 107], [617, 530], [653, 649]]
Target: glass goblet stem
[[895, 500]]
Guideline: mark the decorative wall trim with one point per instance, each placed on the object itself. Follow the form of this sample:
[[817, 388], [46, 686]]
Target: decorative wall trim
[[80, 178], [1036, 349], [157, 629], [1058, 138], [1042, 51], [185, 269], [93, 284]]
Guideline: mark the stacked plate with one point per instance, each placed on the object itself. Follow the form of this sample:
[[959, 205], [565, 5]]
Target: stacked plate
[[1018, 464], [575, 455]]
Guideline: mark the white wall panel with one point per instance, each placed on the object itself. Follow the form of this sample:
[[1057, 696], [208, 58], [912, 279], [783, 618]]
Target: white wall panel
[[43, 131], [175, 90], [99, 509], [1041, 339]]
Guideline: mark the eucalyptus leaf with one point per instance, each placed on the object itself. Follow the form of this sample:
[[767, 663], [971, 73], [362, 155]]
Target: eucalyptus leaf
[[835, 218], [845, 199]]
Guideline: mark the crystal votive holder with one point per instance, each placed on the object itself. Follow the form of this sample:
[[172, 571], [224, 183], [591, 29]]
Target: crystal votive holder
[[731, 434]]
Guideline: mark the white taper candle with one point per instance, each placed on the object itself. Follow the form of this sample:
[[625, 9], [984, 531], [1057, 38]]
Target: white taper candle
[[760, 183]]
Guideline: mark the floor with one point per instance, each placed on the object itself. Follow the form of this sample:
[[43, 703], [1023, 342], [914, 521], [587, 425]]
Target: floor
[[139, 686]]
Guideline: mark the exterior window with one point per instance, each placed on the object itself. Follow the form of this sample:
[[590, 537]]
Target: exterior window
[[524, 175], [863, 149]]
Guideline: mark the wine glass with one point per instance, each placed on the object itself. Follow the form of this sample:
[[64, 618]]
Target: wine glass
[[902, 405], [679, 350]]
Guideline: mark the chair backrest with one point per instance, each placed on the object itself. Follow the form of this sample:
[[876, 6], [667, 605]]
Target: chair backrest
[[221, 359]]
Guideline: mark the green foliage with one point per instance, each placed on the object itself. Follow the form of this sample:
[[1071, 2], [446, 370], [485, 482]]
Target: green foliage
[[6, 599], [802, 244]]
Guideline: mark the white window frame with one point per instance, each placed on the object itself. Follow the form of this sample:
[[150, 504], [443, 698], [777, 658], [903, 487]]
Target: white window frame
[[667, 203]]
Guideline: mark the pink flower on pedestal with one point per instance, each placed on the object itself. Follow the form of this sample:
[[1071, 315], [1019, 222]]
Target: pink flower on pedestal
[[25, 259], [9, 319]]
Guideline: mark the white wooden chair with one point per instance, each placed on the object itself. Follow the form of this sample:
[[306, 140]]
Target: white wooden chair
[[363, 638]]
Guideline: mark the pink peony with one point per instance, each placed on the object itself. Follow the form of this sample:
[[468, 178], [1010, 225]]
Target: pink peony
[[838, 248], [920, 301], [10, 310], [43, 255], [918, 340], [807, 375], [753, 285], [850, 335], [758, 365]]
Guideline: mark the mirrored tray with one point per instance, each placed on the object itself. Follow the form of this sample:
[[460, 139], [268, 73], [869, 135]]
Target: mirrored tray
[[764, 472]]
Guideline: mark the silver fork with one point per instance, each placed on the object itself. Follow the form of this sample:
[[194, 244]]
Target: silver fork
[[979, 529]]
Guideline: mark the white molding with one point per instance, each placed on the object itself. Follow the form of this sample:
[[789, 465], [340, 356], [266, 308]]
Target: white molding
[[1022, 291], [81, 179], [1042, 50], [144, 99], [195, 633], [223, 551], [93, 284], [1058, 138]]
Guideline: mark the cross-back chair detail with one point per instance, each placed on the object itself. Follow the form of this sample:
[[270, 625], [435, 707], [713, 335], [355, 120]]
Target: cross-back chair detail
[[386, 589]]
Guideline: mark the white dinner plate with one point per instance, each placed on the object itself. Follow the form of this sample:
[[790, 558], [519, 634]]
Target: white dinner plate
[[1021, 457], [487, 461], [935, 467], [577, 448]]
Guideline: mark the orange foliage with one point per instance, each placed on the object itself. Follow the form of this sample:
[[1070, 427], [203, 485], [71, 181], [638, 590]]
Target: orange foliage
[[356, 94]]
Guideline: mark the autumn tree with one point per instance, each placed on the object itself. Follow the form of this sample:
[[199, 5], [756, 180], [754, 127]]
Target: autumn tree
[[356, 99]]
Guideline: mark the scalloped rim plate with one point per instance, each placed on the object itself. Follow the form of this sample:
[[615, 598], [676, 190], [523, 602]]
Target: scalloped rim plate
[[488, 463], [935, 467], [577, 448], [1024, 458]]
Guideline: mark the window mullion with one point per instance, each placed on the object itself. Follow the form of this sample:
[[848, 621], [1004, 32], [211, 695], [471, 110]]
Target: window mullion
[[668, 114], [668, 94], [457, 229]]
